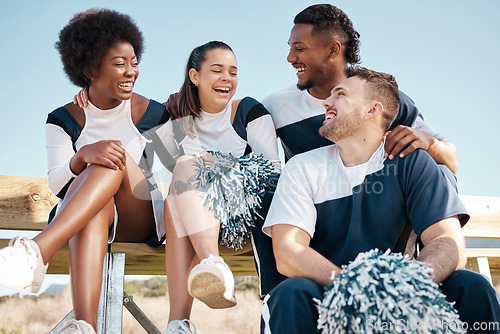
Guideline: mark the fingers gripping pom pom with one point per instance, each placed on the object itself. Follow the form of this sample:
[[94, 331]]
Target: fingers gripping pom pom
[[386, 293], [233, 188]]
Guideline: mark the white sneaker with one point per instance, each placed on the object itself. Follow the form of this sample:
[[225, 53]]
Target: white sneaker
[[74, 326], [180, 327], [21, 265], [212, 282]]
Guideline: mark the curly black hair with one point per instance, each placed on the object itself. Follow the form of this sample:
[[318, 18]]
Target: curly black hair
[[328, 21], [89, 35]]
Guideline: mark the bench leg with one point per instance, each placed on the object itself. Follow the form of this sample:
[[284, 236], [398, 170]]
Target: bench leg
[[137, 313], [113, 298], [482, 266], [111, 304], [109, 320]]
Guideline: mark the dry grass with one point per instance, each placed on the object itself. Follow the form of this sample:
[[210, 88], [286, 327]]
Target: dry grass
[[243, 318], [39, 315]]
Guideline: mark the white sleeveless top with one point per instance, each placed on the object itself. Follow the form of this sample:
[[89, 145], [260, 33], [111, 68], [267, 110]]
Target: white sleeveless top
[[113, 124]]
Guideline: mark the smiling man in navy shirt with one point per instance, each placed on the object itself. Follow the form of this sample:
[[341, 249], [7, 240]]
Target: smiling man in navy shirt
[[336, 201]]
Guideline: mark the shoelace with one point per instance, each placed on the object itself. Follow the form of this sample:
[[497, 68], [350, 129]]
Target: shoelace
[[22, 244], [73, 323], [181, 325], [211, 260]]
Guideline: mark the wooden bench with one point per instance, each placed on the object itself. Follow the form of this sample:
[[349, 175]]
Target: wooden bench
[[25, 203], [484, 225]]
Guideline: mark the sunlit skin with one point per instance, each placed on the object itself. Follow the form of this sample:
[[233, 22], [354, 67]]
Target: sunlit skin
[[107, 178], [216, 83], [217, 80], [343, 110], [315, 60], [115, 79], [351, 120]]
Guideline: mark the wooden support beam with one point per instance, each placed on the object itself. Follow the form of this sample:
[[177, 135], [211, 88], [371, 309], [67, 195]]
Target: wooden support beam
[[25, 203]]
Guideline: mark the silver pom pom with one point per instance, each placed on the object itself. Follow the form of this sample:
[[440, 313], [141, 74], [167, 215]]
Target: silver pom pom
[[233, 188], [386, 293]]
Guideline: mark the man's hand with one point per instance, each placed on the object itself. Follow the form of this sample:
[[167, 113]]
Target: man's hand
[[442, 151], [403, 136], [171, 105], [81, 99]]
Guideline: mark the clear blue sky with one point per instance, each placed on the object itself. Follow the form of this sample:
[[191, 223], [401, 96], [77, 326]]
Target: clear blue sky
[[442, 53]]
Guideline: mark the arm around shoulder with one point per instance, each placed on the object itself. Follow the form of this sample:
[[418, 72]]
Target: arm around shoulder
[[444, 152]]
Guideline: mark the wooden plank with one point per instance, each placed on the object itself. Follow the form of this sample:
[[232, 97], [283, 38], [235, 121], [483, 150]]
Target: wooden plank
[[142, 259], [486, 227], [486, 252], [485, 217], [25, 203]]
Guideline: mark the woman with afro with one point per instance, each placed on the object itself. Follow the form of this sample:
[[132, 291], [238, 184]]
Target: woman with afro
[[95, 164]]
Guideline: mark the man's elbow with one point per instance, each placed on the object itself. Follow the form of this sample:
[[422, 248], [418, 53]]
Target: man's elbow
[[453, 166], [282, 258], [282, 264], [451, 161]]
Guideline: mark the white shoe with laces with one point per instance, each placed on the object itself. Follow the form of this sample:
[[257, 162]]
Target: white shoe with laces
[[74, 326], [21, 265], [180, 327], [212, 282]]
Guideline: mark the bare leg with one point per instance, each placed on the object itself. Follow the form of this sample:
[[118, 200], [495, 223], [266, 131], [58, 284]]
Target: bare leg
[[135, 210], [87, 195], [179, 260], [135, 223], [199, 222], [85, 216], [86, 256]]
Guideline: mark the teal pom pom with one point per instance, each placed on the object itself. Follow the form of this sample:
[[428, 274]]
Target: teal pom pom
[[386, 293], [233, 188]]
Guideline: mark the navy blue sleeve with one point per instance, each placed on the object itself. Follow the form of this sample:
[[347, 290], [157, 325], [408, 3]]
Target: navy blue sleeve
[[407, 113], [61, 117], [248, 110], [429, 195], [155, 114]]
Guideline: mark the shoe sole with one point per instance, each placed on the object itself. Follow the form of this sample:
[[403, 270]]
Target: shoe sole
[[209, 288]]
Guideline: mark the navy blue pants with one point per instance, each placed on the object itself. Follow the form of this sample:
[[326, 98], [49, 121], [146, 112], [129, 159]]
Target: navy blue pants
[[289, 307], [262, 245]]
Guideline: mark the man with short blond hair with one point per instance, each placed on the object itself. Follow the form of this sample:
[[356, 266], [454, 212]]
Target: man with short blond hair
[[337, 201]]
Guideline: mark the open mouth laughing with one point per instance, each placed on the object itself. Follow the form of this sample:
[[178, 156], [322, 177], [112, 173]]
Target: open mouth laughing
[[222, 89]]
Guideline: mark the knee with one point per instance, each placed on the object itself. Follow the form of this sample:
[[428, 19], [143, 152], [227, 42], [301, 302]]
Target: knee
[[297, 289], [184, 162], [290, 307], [463, 285], [467, 280]]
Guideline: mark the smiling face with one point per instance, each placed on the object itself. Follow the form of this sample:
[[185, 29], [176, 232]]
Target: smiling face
[[114, 80], [344, 110], [217, 80], [309, 56]]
